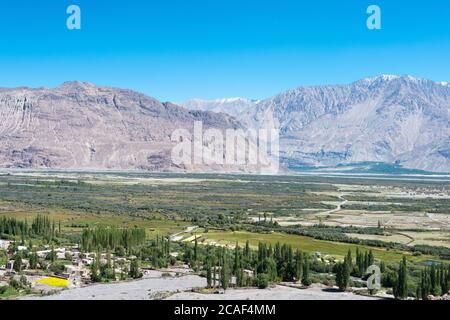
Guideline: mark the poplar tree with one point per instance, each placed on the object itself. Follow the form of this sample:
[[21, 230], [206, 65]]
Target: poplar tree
[[343, 274], [401, 285], [208, 275], [195, 250], [305, 276], [33, 260], [298, 265], [224, 271]]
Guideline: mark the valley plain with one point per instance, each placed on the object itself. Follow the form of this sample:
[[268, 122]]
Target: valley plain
[[324, 216]]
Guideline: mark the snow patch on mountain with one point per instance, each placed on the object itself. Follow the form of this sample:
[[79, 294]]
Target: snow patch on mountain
[[230, 106], [388, 118]]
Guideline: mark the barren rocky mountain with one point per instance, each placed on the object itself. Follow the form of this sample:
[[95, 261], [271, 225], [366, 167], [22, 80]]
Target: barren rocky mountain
[[392, 119], [232, 106], [82, 126]]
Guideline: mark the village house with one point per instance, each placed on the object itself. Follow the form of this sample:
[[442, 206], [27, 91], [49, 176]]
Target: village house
[[4, 244], [87, 261], [60, 253]]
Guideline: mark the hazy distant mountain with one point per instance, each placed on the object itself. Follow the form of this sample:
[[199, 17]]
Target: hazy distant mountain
[[398, 120], [80, 125], [231, 106], [391, 119]]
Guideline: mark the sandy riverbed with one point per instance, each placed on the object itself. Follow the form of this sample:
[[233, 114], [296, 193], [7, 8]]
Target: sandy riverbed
[[154, 286]]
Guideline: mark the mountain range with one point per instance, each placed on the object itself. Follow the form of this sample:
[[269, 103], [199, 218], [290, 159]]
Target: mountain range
[[232, 106], [83, 126], [391, 119], [398, 120]]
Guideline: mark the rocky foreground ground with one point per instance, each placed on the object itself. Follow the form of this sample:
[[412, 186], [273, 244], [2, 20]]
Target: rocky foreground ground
[[156, 286]]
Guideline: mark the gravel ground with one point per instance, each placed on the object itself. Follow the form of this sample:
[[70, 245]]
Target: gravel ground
[[154, 286], [273, 293], [151, 287]]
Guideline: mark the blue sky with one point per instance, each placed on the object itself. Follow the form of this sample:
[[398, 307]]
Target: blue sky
[[179, 49]]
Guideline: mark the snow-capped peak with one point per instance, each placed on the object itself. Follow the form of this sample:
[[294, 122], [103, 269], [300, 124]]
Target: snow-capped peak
[[231, 106], [231, 100], [382, 78], [389, 77]]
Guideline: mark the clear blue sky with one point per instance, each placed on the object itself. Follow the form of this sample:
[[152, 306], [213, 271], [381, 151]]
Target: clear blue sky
[[179, 49]]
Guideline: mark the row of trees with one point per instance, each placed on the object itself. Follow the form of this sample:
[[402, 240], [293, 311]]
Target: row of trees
[[41, 226], [363, 261], [251, 267], [434, 280], [157, 252], [105, 271], [400, 285], [345, 269], [339, 234], [111, 238]]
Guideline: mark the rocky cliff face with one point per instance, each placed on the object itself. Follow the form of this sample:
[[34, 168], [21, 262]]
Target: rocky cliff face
[[82, 126], [392, 119]]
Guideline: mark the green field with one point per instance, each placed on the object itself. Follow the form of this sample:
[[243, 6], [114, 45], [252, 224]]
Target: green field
[[165, 204], [339, 250]]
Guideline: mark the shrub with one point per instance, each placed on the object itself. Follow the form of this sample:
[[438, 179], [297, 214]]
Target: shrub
[[57, 268], [262, 281]]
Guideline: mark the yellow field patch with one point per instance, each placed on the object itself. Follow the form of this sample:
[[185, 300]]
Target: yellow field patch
[[54, 282]]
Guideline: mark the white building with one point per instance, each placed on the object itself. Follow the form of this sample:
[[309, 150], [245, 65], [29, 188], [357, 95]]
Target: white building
[[4, 244]]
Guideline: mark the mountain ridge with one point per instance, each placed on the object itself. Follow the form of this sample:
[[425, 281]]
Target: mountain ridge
[[83, 126], [232, 106], [388, 118]]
